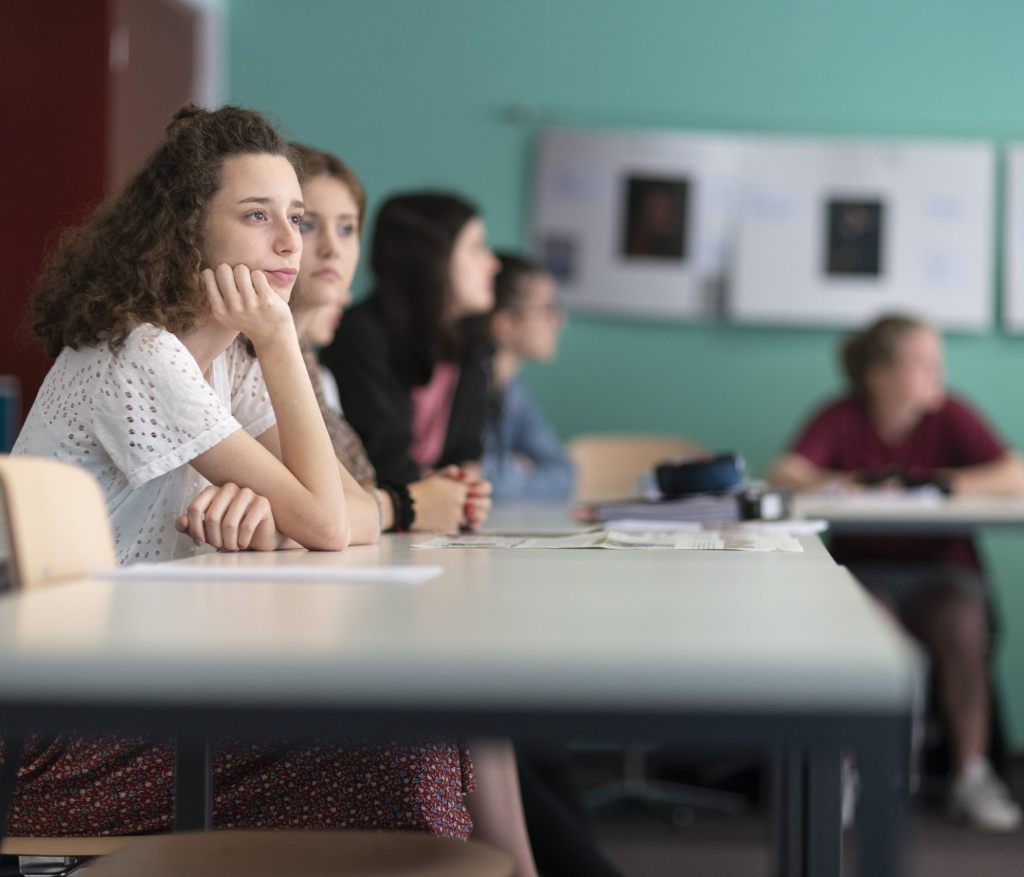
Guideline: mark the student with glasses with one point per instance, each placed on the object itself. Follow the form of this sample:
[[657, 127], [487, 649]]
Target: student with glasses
[[523, 458]]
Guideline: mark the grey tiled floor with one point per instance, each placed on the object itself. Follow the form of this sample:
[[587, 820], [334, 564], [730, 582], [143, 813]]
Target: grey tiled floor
[[643, 844]]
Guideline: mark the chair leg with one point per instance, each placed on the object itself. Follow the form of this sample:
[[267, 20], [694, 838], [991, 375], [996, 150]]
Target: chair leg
[[638, 787]]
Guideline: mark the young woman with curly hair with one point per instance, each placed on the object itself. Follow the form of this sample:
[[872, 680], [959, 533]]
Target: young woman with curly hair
[[153, 391]]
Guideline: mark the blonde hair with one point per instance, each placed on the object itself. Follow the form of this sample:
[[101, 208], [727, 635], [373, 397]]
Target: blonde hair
[[876, 346]]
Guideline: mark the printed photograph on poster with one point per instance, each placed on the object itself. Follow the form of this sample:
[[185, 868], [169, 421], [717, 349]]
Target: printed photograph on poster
[[559, 257], [856, 227], [854, 237], [637, 223], [655, 222]]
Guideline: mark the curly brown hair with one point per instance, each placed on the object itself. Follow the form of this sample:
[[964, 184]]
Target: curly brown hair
[[136, 259]]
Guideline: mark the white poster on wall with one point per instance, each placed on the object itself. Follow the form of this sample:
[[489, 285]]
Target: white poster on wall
[[637, 223], [1013, 243], [835, 232]]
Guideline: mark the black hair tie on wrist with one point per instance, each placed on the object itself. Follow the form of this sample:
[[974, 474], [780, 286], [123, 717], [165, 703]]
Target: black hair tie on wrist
[[402, 501]]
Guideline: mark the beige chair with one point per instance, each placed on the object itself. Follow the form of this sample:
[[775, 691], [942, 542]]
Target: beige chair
[[48, 504], [309, 853], [43, 503], [610, 465]]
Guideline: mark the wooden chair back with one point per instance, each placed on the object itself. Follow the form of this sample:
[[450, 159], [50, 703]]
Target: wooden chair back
[[309, 853], [610, 465], [56, 523]]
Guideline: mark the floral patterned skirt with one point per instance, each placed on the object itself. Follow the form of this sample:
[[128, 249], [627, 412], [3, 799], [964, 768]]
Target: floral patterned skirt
[[120, 785]]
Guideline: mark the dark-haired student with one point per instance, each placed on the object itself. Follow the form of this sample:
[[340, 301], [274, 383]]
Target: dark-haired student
[[898, 424], [523, 458], [412, 364], [335, 203], [412, 360]]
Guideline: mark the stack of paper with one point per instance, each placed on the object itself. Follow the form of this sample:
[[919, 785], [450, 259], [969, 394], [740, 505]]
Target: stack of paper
[[720, 508]]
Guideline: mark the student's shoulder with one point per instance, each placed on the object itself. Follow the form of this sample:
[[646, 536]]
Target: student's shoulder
[[957, 409], [361, 334], [840, 411], [516, 394], [955, 404], [363, 318], [145, 348], [153, 343]]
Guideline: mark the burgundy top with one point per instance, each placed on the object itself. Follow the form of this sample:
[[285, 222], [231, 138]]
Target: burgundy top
[[842, 437]]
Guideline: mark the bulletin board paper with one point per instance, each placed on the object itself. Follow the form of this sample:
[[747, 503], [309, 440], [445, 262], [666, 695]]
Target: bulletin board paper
[[797, 231], [1013, 244], [637, 223], [836, 232]]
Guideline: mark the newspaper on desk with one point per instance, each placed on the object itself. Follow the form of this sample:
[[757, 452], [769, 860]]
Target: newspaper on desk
[[699, 538]]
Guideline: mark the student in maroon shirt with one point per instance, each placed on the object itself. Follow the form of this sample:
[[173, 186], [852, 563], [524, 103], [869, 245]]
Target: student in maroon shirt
[[898, 427]]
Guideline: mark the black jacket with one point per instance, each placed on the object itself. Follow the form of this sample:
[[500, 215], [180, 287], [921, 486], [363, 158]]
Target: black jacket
[[377, 402]]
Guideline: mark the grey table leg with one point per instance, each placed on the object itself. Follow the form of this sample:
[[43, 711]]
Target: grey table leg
[[883, 765], [824, 850], [193, 785], [787, 773]]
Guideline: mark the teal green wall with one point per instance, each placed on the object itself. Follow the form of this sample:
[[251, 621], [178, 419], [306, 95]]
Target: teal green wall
[[419, 92]]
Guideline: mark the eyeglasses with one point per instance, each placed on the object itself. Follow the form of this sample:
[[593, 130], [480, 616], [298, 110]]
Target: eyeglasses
[[551, 310]]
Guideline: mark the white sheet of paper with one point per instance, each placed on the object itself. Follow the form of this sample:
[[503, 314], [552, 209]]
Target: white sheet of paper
[[793, 527], [471, 540], [387, 575], [587, 539], [725, 540], [635, 540]]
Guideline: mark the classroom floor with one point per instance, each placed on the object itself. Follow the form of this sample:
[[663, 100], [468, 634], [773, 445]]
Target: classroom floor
[[644, 843], [647, 843]]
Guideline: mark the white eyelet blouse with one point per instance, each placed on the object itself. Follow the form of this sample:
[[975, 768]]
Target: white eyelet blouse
[[135, 419]]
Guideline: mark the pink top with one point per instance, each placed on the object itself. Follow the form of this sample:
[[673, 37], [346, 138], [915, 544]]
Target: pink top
[[431, 411]]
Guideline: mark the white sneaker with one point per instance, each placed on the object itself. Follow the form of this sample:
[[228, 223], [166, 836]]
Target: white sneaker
[[981, 799]]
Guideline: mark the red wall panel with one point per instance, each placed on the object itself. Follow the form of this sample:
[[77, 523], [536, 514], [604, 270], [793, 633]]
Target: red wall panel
[[54, 111]]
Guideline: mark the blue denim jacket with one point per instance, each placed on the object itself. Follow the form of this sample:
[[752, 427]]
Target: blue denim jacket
[[517, 428]]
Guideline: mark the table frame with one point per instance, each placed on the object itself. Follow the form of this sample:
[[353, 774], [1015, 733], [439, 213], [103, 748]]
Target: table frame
[[803, 743], [805, 749]]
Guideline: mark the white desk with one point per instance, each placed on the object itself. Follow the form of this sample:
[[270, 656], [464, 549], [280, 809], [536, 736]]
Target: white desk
[[873, 514], [776, 652]]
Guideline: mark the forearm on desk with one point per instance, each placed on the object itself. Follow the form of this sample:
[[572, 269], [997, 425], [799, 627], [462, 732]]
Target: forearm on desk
[[795, 472], [1002, 477], [363, 510]]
